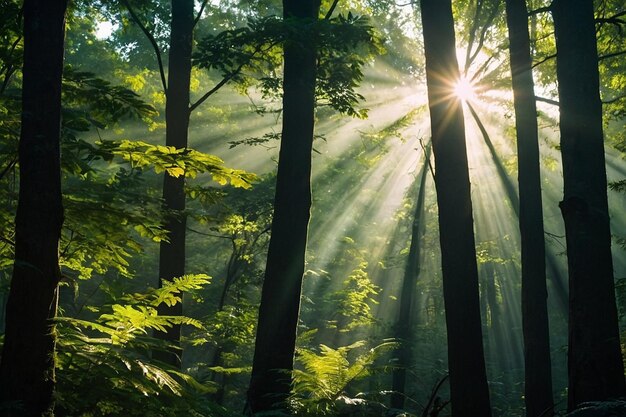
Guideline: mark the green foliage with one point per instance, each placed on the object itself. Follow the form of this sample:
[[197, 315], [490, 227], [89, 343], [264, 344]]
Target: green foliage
[[354, 300], [104, 365], [323, 376], [344, 45], [97, 102], [176, 162]]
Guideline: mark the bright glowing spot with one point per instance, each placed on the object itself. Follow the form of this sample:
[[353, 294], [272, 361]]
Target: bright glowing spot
[[464, 89], [104, 29]]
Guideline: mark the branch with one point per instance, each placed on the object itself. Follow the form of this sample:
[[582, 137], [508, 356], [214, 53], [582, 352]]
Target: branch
[[546, 9], [545, 59], [8, 167], [8, 241], [216, 88], [433, 394], [10, 69], [547, 100], [330, 11], [197, 19], [614, 99], [615, 19], [611, 55], [227, 78], [483, 36], [472, 35], [153, 42]]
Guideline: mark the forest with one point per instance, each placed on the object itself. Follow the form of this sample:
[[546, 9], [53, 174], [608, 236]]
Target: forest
[[347, 208]]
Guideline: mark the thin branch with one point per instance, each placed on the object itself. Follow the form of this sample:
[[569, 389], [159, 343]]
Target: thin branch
[[153, 42], [614, 99], [547, 100], [8, 167], [216, 88], [10, 68], [330, 11], [472, 35], [6, 240], [483, 36], [547, 9], [226, 79], [545, 59], [611, 55], [433, 394], [615, 19], [208, 234], [202, 7], [430, 166]]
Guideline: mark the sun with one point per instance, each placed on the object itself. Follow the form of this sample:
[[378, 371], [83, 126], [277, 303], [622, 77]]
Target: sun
[[464, 89]]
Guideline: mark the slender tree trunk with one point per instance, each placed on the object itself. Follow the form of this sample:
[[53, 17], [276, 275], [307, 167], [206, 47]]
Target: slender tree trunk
[[468, 379], [595, 364], [172, 253], [538, 373], [27, 368], [411, 274], [280, 298]]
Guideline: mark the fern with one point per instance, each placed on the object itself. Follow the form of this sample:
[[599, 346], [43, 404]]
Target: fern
[[326, 375], [108, 362]]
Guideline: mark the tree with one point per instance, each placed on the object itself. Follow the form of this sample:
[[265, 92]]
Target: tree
[[411, 274], [27, 367], [270, 382], [595, 366], [172, 252], [538, 373], [468, 379]]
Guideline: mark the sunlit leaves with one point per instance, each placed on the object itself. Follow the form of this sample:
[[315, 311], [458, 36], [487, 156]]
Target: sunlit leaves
[[170, 293], [177, 161], [107, 360], [344, 45], [323, 376], [100, 101], [354, 300]]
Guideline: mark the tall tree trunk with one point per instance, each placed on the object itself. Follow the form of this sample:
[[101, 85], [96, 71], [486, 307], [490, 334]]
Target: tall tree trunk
[[411, 274], [538, 373], [172, 253], [27, 368], [595, 364], [280, 298], [468, 379]]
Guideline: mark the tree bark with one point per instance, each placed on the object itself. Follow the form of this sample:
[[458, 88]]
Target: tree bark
[[172, 252], [280, 299], [595, 364], [411, 274], [468, 379], [538, 372], [27, 368]]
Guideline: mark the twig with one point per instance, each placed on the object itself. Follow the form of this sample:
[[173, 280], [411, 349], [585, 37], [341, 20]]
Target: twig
[[202, 7], [8, 167], [547, 100], [546, 9], [153, 42], [433, 394], [611, 55], [547, 58], [330, 11]]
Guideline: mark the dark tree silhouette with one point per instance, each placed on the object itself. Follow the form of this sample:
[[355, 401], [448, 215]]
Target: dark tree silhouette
[[409, 281], [538, 373], [172, 252], [595, 364], [27, 368], [280, 299], [468, 379]]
